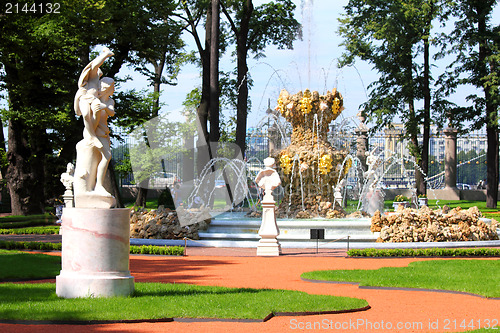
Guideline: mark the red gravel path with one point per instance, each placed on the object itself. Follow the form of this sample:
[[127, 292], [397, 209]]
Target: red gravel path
[[419, 311]]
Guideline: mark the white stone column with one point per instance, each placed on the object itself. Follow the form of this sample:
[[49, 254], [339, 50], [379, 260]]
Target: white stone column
[[68, 199], [95, 253], [268, 232], [268, 179]]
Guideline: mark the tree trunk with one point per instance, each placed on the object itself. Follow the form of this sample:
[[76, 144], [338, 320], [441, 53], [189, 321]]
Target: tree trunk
[[115, 188], [25, 174], [3, 168], [214, 74], [142, 194], [412, 127], [242, 52], [491, 117], [424, 161], [492, 167], [203, 155]]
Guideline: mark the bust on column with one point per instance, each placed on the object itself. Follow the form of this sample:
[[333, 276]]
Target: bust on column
[[268, 179]]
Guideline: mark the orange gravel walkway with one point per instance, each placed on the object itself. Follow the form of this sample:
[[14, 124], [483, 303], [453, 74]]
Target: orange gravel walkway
[[392, 310]]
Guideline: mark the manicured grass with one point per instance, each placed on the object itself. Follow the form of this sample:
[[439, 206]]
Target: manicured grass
[[464, 204], [474, 276], [150, 204], [488, 329], [20, 265], [150, 301], [158, 300], [434, 252]]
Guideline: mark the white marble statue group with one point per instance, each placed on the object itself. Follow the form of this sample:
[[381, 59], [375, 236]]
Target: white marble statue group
[[94, 103]]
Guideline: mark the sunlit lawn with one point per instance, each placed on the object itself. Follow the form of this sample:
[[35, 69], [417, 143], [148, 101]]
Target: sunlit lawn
[[474, 276], [150, 301]]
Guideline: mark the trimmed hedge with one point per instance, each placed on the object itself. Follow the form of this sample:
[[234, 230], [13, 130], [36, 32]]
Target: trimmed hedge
[[434, 252], [49, 230], [149, 249], [158, 250], [11, 245]]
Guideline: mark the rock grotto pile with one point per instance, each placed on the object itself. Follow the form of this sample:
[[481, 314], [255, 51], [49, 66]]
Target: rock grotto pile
[[313, 207], [162, 223], [426, 225]]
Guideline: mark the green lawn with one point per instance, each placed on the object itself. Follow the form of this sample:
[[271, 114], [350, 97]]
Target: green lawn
[[150, 301], [474, 276], [487, 329], [160, 300], [464, 204], [20, 265]]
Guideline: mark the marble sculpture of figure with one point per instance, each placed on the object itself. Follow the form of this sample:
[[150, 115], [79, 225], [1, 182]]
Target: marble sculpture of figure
[[268, 179], [373, 162], [67, 177], [94, 103]]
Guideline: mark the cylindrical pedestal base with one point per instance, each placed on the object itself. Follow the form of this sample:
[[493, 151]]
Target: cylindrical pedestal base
[[95, 253], [268, 244], [268, 247]]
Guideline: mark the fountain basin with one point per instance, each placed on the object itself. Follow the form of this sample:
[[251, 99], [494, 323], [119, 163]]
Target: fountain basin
[[237, 227]]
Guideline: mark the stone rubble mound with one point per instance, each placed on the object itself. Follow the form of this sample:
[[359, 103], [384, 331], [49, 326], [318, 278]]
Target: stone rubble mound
[[313, 207], [162, 223], [426, 225]]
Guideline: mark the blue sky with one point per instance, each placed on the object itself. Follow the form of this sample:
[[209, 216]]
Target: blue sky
[[287, 69], [311, 64]]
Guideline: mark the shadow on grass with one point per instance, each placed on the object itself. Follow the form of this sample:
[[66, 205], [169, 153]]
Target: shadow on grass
[[153, 301], [18, 265], [193, 290]]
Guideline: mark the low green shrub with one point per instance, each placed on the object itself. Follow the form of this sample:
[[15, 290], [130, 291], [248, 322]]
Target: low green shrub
[[11, 245], [434, 252], [144, 249], [158, 250], [48, 230]]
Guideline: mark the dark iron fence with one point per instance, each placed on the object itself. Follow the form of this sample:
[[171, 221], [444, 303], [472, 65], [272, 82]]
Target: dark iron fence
[[389, 145]]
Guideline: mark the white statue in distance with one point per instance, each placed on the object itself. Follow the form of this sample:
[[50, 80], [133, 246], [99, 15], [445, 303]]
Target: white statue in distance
[[268, 179], [94, 103]]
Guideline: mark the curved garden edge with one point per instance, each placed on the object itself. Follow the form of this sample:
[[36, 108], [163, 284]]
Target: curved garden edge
[[173, 319], [400, 288]]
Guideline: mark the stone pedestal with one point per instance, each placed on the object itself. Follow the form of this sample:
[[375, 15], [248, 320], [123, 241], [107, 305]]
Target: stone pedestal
[[68, 199], [268, 244], [450, 158], [95, 253]]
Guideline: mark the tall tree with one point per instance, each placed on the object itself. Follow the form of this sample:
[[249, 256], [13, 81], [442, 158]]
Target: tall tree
[[214, 73], [39, 54], [160, 48], [253, 28], [194, 14], [391, 35], [476, 43]]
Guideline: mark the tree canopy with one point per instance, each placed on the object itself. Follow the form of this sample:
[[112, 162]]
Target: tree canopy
[[395, 36]]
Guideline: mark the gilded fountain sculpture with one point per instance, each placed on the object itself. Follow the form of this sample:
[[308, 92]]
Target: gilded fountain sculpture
[[310, 166]]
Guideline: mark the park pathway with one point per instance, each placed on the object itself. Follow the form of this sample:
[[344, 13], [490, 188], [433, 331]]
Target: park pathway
[[391, 310]]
